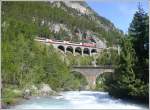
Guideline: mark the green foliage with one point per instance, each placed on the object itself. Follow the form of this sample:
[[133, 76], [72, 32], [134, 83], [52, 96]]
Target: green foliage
[[83, 81], [78, 80], [130, 79], [70, 59], [124, 74], [103, 81], [108, 57], [43, 13], [25, 61], [85, 60], [10, 97], [100, 85], [124, 83], [138, 32]]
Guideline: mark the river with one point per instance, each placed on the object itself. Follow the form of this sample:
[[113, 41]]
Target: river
[[78, 100]]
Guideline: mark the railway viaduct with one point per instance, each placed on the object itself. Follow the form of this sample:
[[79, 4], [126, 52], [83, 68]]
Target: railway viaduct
[[75, 47]]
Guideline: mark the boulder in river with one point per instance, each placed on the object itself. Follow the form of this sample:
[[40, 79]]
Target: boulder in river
[[40, 90], [45, 90], [26, 93], [33, 87]]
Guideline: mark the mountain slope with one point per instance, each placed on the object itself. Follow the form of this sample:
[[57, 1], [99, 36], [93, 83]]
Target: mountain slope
[[74, 21], [101, 27]]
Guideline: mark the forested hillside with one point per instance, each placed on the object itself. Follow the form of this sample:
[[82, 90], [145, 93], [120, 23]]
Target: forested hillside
[[23, 21], [60, 22]]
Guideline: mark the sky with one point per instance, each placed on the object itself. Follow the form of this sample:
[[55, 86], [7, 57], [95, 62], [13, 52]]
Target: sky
[[119, 12]]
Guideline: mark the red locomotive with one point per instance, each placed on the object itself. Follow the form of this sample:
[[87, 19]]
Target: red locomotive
[[89, 44]]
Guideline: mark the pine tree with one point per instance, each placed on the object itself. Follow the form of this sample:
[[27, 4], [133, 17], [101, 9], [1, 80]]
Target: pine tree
[[124, 74], [123, 82], [138, 31], [131, 77]]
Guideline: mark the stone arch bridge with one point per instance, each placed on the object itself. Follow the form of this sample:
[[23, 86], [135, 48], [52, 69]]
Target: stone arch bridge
[[82, 50], [92, 72], [74, 47]]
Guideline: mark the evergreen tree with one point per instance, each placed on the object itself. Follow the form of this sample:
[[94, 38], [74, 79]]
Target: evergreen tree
[[124, 82], [124, 71], [138, 31], [131, 74]]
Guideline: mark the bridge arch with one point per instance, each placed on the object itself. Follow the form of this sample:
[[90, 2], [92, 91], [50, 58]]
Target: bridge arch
[[81, 77], [61, 47], [78, 50], [93, 51], [101, 78], [70, 49], [86, 51]]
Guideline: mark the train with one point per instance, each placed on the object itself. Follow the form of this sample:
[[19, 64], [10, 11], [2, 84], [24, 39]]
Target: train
[[89, 44], [92, 44]]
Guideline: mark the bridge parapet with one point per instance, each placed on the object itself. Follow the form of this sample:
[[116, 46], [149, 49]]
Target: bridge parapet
[[96, 66]]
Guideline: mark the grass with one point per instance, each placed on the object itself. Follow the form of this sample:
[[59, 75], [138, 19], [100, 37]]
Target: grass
[[10, 96]]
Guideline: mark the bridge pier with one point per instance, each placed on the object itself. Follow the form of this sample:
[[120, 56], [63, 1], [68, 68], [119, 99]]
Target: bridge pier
[[90, 52], [91, 81], [73, 51], [65, 49], [81, 51]]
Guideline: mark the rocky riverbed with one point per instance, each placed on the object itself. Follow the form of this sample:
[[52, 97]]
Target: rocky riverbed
[[29, 92]]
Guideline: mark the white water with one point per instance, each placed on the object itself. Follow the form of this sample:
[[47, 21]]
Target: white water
[[79, 100]]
